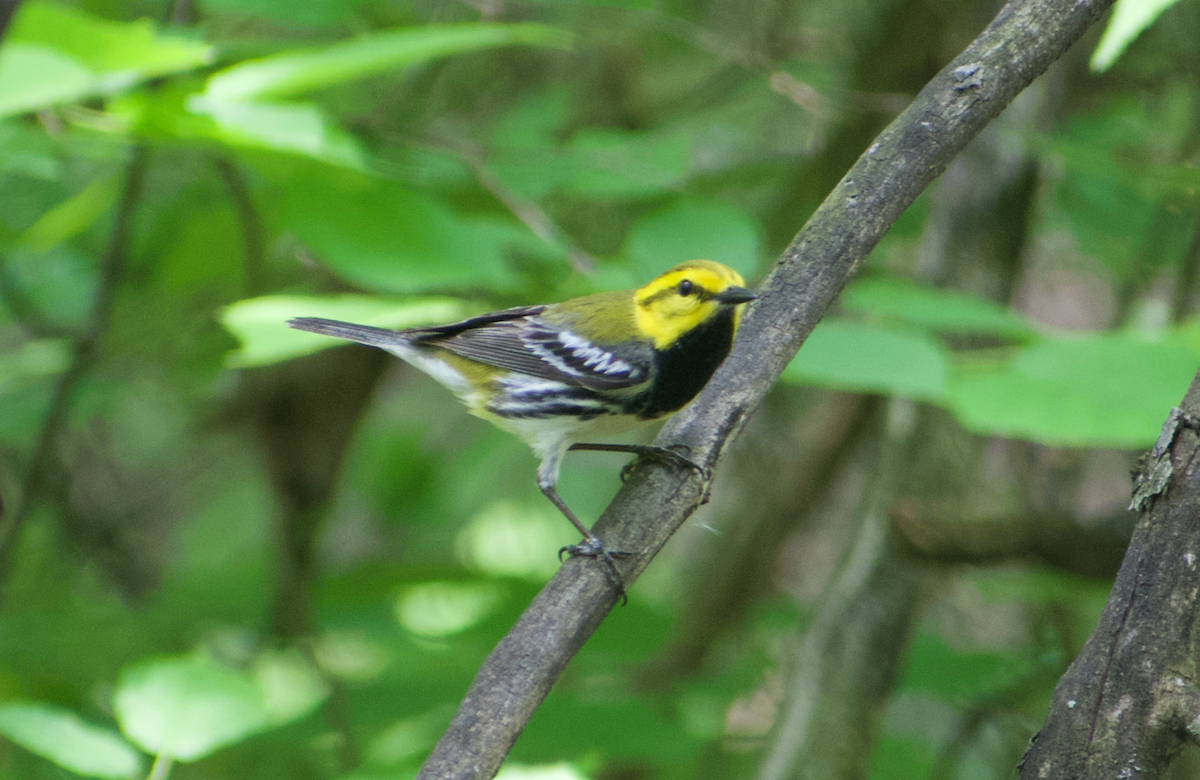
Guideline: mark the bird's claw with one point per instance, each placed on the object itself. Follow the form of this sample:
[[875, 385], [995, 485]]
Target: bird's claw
[[673, 455], [594, 548]]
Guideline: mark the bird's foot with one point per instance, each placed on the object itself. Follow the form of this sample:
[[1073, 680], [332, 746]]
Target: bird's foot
[[675, 455], [592, 547]]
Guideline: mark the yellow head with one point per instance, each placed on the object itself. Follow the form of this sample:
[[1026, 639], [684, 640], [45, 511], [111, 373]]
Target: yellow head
[[686, 296]]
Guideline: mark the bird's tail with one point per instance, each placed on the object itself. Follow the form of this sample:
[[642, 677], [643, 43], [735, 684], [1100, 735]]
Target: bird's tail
[[363, 334]]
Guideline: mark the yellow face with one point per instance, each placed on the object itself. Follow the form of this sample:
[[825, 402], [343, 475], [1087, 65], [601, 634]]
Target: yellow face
[[684, 297]]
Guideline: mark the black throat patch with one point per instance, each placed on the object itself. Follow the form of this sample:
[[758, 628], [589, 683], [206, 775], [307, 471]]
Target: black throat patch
[[687, 365]]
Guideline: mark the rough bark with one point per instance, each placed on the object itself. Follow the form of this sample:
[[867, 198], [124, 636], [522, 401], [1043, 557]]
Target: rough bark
[[1129, 702]]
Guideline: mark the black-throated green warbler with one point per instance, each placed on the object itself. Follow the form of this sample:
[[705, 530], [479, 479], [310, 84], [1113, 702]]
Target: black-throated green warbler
[[557, 374]]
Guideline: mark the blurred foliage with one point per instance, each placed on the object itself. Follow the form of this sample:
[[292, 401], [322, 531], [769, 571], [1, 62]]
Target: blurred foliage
[[224, 550]]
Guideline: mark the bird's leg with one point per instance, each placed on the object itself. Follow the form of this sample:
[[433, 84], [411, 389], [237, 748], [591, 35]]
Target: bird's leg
[[668, 455], [591, 546]]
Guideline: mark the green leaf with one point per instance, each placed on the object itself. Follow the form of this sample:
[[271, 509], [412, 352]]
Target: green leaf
[[1129, 18], [902, 757], [624, 164], [293, 128], [260, 324], [439, 609], [296, 72], [1107, 390], [380, 236], [847, 355], [291, 688], [42, 357], [72, 216], [187, 708], [27, 151], [525, 157], [559, 771], [936, 669], [694, 229], [311, 13], [941, 310], [62, 737], [54, 54], [647, 4], [59, 283], [34, 77]]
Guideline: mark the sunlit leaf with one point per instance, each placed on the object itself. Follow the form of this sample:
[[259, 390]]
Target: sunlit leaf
[[561, 771], [439, 609], [404, 740], [64, 738], [1107, 390], [291, 687], [295, 128], [510, 539], [351, 656], [296, 72], [944, 311], [33, 77], [1129, 18], [187, 708], [260, 324], [54, 54], [848, 355]]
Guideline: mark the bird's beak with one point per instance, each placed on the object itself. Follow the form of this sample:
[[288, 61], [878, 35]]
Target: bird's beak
[[734, 295]]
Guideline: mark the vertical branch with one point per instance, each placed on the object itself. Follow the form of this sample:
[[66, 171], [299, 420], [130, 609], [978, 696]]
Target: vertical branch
[[848, 660], [1185, 284], [254, 242], [304, 417], [84, 354], [8, 9]]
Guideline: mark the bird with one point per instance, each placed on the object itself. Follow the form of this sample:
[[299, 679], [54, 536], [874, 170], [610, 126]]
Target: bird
[[559, 374]]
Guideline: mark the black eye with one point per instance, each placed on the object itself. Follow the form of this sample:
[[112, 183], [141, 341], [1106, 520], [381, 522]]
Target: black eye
[[685, 287]]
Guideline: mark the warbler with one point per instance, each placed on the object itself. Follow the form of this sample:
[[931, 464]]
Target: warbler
[[558, 374]]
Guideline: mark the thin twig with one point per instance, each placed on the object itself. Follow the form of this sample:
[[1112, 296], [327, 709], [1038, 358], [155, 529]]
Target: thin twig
[[533, 215], [84, 354], [254, 242], [161, 769], [1020, 44]]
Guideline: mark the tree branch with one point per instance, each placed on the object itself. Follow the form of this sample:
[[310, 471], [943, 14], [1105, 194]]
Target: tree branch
[[83, 357], [1129, 702], [1020, 44], [846, 666], [1061, 541], [8, 9]]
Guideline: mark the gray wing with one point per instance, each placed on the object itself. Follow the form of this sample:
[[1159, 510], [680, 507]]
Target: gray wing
[[514, 339], [532, 346]]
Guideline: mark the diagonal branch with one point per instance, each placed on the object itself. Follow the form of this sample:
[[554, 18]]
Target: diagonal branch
[[1020, 44]]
